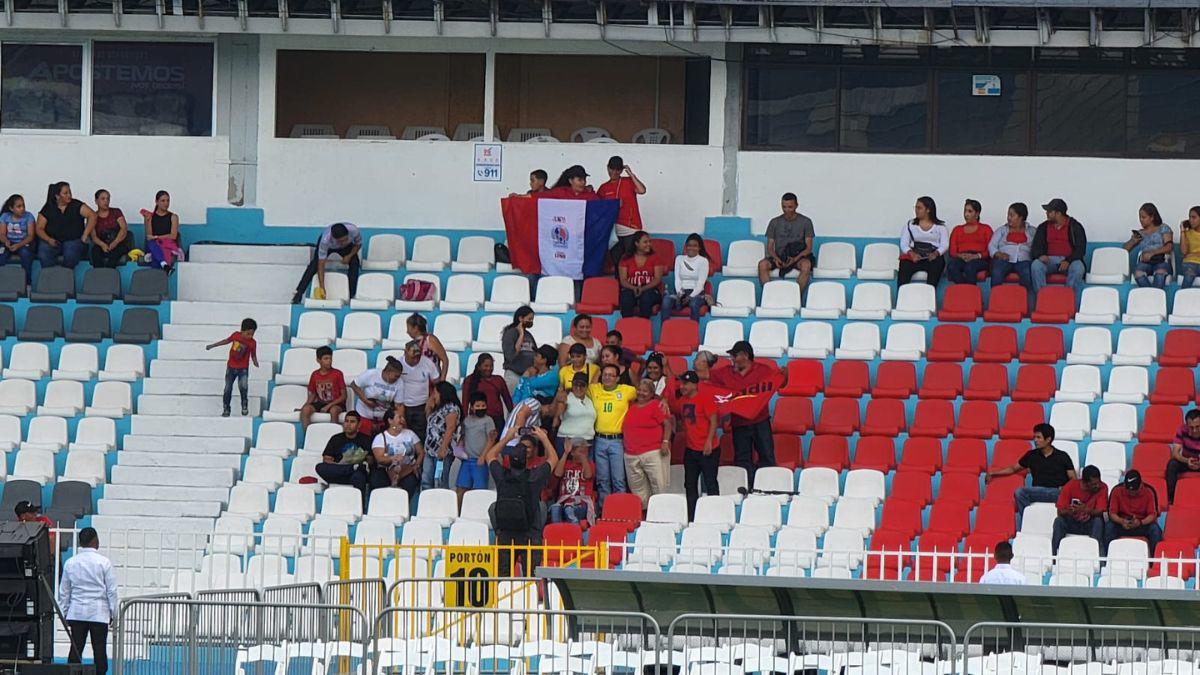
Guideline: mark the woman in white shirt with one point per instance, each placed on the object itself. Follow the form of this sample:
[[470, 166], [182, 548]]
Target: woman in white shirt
[[923, 244], [575, 416], [691, 273], [400, 451], [581, 334]]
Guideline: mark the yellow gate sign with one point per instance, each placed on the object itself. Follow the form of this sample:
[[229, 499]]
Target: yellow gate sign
[[472, 570]]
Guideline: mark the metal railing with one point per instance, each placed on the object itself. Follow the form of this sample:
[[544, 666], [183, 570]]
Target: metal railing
[[1019, 648], [399, 561]]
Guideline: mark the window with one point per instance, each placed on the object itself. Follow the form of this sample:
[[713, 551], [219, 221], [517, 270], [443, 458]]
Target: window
[[792, 108], [41, 86], [982, 124], [1163, 114], [152, 89], [1080, 113], [884, 109]]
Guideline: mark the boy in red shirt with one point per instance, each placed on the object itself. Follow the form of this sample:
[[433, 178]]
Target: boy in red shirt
[[1133, 512], [243, 349], [622, 185], [697, 413], [326, 389]]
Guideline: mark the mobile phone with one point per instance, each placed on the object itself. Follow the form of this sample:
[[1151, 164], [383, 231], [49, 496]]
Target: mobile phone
[[1075, 502], [1137, 233]]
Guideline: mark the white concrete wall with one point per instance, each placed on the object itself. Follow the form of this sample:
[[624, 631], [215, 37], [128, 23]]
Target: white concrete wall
[[872, 195]]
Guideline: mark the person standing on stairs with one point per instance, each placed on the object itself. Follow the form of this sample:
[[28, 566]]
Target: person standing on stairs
[[243, 349]]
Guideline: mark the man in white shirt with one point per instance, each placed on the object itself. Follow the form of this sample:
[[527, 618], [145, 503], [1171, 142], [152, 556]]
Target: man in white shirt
[[1002, 572], [420, 373], [375, 391], [87, 594]]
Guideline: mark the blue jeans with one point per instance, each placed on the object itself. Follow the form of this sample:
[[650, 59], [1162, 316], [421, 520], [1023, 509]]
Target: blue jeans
[[1028, 495], [1092, 527], [24, 254], [1152, 533], [1002, 268], [670, 302], [71, 251], [1190, 272], [429, 469], [610, 467], [568, 514], [242, 377], [1075, 273], [964, 272], [1151, 274]]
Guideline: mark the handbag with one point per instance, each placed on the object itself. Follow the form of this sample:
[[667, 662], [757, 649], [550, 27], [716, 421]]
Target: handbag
[[922, 248]]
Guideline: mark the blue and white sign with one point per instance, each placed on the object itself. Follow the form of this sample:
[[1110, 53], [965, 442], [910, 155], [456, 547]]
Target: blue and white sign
[[985, 85], [487, 162]]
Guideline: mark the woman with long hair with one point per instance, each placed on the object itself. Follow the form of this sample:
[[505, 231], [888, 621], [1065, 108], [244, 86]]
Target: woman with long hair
[[692, 268], [517, 345], [443, 435], [431, 347], [20, 228], [923, 244], [571, 184], [580, 334], [1152, 247], [64, 225], [1189, 247], [400, 452], [110, 238], [1011, 247], [162, 233], [493, 387], [640, 275], [969, 246]]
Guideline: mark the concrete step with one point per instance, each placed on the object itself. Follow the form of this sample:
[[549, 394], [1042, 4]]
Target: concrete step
[[191, 425], [192, 477], [233, 253], [249, 282], [170, 527], [137, 507], [178, 386], [195, 351], [265, 335], [145, 576], [166, 458], [209, 370], [165, 493], [179, 445], [155, 404], [148, 554], [232, 313]]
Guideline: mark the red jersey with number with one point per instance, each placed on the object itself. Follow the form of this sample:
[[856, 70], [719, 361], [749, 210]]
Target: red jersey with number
[[640, 275], [240, 350], [327, 387]]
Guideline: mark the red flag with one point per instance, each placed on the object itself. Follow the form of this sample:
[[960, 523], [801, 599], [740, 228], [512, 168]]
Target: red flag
[[521, 226], [747, 406]]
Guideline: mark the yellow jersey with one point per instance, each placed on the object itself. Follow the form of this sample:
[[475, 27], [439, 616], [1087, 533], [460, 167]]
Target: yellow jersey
[[1193, 239], [567, 373], [611, 406]]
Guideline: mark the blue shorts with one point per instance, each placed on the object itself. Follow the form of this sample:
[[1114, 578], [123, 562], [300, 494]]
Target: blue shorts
[[472, 476]]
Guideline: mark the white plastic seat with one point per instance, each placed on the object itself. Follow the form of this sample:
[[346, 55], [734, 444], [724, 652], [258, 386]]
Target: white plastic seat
[[795, 547], [855, 514], [389, 504], [281, 535], [297, 501], [249, 501], [915, 302], [475, 254], [337, 292], [775, 479], [653, 543], [266, 570], [10, 432], [835, 260], [313, 131], [286, 400], [761, 511], [735, 298], [1079, 383], [263, 470], [841, 548], [454, 330], [34, 465], [364, 567], [418, 132], [1032, 553], [475, 505], [1099, 305], [700, 544], [325, 536], [275, 438], [652, 135], [741, 260], [468, 533], [865, 484], [487, 337], [1070, 580], [555, 295], [1136, 347], [1109, 457], [820, 482], [421, 305], [28, 361], [812, 340], [1077, 554], [1166, 583], [1146, 306], [438, 505], [376, 291], [721, 334], [807, 513], [384, 252], [423, 533], [342, 501], [464, 293], [1185, 310], [826, 300], [315, 329], [527, 134], [64, 398], [85, 466], [297, 366], [669, 509], [312, 569], [1116, 422], [1091, 345], [377, 132], [509, 292], [1110, 266], [860, 341], [770, 338], [1071, 420], [871, 301], [1071, 448], [880, 261], [232, 534], [905, 341], [780, 299], [360, 330], [731, 480], [430, 253], [350, 361], [1127, 557], [1039, 518], [589, 134], [376, 536], [1127, 384], [304, 468], [1116, 581], [318, 434], [749, 545], [125, 363], [17, 397], [77, 362], [93, 433], [716, 510], [547, 329]]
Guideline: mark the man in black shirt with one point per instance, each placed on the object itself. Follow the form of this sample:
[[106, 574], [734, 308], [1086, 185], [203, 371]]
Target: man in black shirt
[[519, 514], [1049, 467], [347, 460]]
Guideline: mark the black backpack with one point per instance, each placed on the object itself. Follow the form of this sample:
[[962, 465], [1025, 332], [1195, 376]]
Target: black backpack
[[514, 504]]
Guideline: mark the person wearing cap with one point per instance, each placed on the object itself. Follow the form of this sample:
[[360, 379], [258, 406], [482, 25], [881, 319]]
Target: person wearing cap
[[624, 186], [342, 240], [696, 412], [376, 390], [1049, 467], [87, 595], [575, 478], [647, 430], [1133, 512], [611, 400], [571, 184], [747, 376], [1185, 451], [1081, 507], [789, 243], [1059, 246], [519, 514], [28, 512]]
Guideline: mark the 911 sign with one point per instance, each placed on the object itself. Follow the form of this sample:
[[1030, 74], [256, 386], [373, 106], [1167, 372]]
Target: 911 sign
[[487, 162]]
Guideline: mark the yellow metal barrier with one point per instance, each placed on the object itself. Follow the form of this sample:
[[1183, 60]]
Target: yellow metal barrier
[[418, 561]]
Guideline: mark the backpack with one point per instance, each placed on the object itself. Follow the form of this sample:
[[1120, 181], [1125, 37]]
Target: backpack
[[417, 290], [514, 505], [500, 252]]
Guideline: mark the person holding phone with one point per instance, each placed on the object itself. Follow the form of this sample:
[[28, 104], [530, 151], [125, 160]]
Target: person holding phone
[[1081, 507], [1151, 246], [1189, 247]]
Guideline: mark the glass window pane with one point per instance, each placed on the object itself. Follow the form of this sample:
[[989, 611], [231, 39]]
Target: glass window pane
[[1080, 113], [792, 108], [152, 89], [885, 110], [983, 124], [1164, 113], [41, 86]]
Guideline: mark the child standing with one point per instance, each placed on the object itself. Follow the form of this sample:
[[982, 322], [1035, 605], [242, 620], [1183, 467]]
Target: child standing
[[479, 434], [243, 349], [326, 389]]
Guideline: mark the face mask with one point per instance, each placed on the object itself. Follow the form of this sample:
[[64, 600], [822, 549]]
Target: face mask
[[479, 413]]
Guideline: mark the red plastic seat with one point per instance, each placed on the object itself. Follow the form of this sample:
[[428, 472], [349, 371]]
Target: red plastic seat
[[726, 450], [848, 379], [830, 452], [838, 416], [997, 520], [624, 510], [965, 455], [1160, 489], [609, 532], [1035, 383], [1000, 490], [569, 536], [678, 364], [635, 334], [950, 342], [679, 337], [961, 302], [901, 515], [987, 382], [1174, 386], [1160, 423], [934, 566], [950, 516], [980, 546], [885, 417], [1183, 524], [1020, 418], [664, 250], [888, 556], [941, 380], [806, 377], [787, 451], [1043, 344], [997, 344], [932, 418], [1007, 304], [1150, 459], [716, 259], [1184, 551], [1006, 453], [793, 415], [912, 486], [921, 454], [1181, 347], [977, 419], [959, 487], [1055, 304], [895, 379], [599, 296], [875, 452], [1187, 495]]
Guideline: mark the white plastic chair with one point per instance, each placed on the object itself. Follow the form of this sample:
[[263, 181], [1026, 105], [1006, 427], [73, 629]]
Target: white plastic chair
[[337, 292], [342, 501], [487, 337], [454, 330], [275, 438], [28, 361], [652, 136], [1186, 309], [430, 253], [297, 366], [34, 465], [915, 302], [526, 134], [880, 261], [464, 293], [780, 299], [17, 397], [1071, 420], [812, 340], [835, 260], [297, 501], [378, 132], [376, 291], [860, 341], [1109, 457], [1099, 306], [476, 504], [866, 484], [1077, 555], [360, 330], [1110, 266], [1115, 422], [110, 399], [77, 362], [721, 334], [1128, 557], [437, 505], [807, 513], [264, 470], [826, 300], [776, 479], [795, 547], [1136, 346], [315, 329], [249, 501], [389, 504], [770, 338], [1127, 384], [749, 545], [761, 511], [325, 536], [313, 131], [1090, 345], [93, 433], [585, 134], [350, 361], [281, 535], [1145, 306], [1039, 519], [509, 292], [871, 301], [841, 549], [46, 433], [64, 398], [415, 132], [700, 546], [820, 482], [1080, 382], [555, 295], [735, 298], [547, 330], [716, 510], [125, 363], [10, 432], [232, 534], [742, 258], [905, 341], [384, 252], [314, 569], [669, 509], [653, 543], [376, 536]]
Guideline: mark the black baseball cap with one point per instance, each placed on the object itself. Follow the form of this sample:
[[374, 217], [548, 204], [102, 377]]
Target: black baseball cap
[[1056, 204], [690, 376], [1133, 479], [741, 346], [25, 506]]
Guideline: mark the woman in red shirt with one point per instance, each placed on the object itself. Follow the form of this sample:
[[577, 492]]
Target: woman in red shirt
[[111, 245], [968, 254], [485, 381], [641, 275], [647, 431], [572, 184]]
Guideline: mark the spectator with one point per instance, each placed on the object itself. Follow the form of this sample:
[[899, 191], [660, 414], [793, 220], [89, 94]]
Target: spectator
[[923, 244], [1002, 572], [1133, 512], [647, 430], [625, 355], [443, 436], [1082, 504], [571, 184], [1152, 247], [19, 231], [518, 514], [613, 356], [1185, 451], [518, 345], [416, 381], [537, 183], [611, 400], [376, 391], [431, 347], [64, 225], [1058, 246], [326, 390], [703, 364], [1050, 468], [1011, 246], [400, 452], [347, 460], [969, 246], [110, 237], [28, 512], [747, 376], [342, 240], [242, 350], [479, 434], [87, 598], [697, 417], [162, 233], [581, 334], [1189, 247], [654, 372], [542, 378], [577, 364], [789, 244], [623, 185], [525, 416], [576, 478], [691, 273], [483, 380], [574, 414], [640, 276]]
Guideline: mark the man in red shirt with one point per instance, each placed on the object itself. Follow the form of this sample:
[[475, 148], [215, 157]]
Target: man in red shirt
[[1059, 246], [242, 349], [1081, 506], [747, 376], [626, 187], [28, 512], [697, 414], [1133, 512]]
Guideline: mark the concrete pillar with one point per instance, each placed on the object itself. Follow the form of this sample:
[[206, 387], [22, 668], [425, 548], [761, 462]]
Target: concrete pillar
[[489, 95], [725, 121], [237, 112]]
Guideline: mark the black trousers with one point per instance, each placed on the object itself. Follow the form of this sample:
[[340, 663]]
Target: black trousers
[[640, 305], [98, 632], [1174, 468], [114, 258], [362, 480], [696, 467], [311, 271], [749, 439], [414, 418], [932, 268]]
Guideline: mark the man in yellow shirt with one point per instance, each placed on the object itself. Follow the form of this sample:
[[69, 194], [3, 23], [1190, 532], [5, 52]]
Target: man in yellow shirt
[[611, 400], [577, 363]]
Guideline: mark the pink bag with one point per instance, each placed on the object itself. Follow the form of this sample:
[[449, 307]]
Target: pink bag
[[417, 290]]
